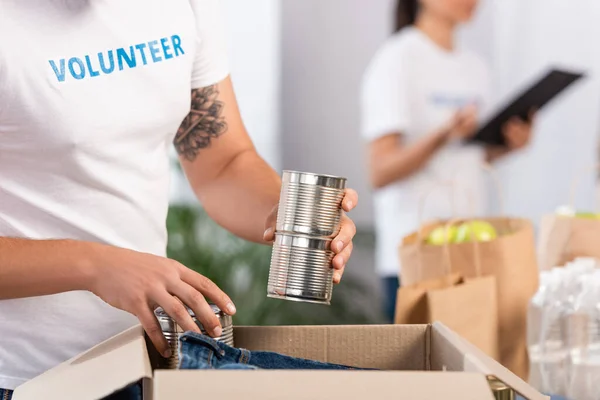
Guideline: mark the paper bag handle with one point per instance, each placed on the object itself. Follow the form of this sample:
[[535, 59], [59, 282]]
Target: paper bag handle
[[495, 179], [422, 201], [452, 221], [493, 174], [476, 252], [576, 182]]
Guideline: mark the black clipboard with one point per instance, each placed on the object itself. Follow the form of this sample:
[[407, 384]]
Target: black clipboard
[[533, 98]]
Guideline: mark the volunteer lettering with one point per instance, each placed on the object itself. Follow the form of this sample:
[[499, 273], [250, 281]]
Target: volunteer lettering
[[90, 66]]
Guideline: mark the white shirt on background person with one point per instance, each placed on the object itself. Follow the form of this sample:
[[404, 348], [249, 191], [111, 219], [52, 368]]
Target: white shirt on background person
[[413, 87], [91, 96]]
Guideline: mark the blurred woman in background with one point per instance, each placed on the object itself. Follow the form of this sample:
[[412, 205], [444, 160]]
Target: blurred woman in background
[[421, 99]]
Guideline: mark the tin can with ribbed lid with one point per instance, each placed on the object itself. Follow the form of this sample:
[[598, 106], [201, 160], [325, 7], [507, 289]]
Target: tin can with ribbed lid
[[301, 268], [310, 204], [172, 332], [500, 390]]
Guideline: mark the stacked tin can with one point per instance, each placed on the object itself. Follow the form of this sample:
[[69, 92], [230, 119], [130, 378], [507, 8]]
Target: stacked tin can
[[172, 332], [307, 221], [500, 390]]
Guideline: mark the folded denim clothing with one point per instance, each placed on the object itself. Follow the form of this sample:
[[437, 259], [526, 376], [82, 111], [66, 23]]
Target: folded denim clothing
[[198, 351], [131, 392]]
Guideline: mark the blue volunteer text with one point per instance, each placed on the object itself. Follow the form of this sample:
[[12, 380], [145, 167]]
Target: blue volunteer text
[[135, 55]]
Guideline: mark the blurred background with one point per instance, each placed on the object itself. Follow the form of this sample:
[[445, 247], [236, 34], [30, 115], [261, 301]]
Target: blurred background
[[297, 67]]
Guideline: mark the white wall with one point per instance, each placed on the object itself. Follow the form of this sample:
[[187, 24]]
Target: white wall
[[479, 35], [530, 36], [254, 38], [297, 66], [520, 39], [255, 54], [326, 47]]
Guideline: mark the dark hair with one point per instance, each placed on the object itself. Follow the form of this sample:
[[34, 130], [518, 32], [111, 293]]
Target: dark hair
[[406, 13]]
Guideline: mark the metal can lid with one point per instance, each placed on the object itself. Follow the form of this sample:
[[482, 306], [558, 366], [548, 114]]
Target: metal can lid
[[167, 324], [214, 308], [330, 181], [160, 312]]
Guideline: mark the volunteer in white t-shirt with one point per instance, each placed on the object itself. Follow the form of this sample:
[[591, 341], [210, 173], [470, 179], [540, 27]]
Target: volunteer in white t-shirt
[[92, 94], [421, 97]]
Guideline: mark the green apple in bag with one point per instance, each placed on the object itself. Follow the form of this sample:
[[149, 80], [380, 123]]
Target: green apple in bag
[[442, 235], [480, 231], [586, 215]]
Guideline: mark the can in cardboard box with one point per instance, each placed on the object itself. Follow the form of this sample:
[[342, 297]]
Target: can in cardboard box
[[173, 332], [500, 390]]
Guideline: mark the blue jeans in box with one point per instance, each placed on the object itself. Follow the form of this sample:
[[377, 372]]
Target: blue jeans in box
[[131, 392], [201, 352], [390, 286], [5, 394]]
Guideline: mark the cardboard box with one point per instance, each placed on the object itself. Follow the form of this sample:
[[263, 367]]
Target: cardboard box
[[422, 362]]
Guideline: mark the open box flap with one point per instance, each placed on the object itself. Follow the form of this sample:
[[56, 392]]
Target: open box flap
[[98, 372], [330, 385], [474, 360]]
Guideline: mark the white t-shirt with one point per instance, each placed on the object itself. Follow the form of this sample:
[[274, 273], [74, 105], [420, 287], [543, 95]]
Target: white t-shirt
[[413, 87], [91, 96]]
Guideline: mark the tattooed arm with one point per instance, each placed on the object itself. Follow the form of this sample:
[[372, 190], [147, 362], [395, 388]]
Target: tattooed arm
[[234, 184]]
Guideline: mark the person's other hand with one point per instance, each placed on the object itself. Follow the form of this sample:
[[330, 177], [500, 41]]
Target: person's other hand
[[517, 133], [341, 245], [139, 283], [463, 124]]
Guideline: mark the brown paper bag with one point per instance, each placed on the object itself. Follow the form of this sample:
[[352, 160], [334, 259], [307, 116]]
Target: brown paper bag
[[562, 239], [466, 306], [510, 258]]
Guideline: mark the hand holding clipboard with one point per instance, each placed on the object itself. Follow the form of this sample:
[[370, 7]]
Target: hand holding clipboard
[[533, 98]]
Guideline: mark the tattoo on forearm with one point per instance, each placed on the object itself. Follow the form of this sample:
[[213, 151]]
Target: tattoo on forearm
[[203, 124]]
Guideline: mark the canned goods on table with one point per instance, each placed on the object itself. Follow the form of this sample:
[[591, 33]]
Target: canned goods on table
[[310, 204], [172, 331], [301, 269]]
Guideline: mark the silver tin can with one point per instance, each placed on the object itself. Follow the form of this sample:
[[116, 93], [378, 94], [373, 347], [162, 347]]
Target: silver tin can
[[173, 332], [301, 269], [310, 204], [500, 390]]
